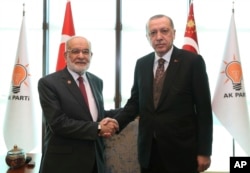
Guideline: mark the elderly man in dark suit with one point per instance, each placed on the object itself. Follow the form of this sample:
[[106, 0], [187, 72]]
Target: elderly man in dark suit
[[74, 117], [171, 95]]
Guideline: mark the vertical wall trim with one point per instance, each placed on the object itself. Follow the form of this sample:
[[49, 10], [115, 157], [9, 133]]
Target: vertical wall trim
[[118, 30], [45, 61]]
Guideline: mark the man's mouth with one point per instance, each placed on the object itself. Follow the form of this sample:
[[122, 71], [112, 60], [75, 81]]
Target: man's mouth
[[81, 62]]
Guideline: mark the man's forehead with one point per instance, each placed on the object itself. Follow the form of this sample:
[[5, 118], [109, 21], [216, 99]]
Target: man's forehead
[[79, 42], [159, 22]]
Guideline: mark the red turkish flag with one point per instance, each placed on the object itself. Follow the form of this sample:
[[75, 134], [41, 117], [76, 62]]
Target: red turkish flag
[[190, 37], [67, 31]]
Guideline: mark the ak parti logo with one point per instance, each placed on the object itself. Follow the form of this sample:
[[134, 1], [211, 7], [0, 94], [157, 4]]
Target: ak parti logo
[[233, 71], [19, 76]]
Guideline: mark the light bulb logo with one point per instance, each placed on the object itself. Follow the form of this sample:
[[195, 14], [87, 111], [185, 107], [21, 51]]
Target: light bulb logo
[[234, 73], [19, 75]]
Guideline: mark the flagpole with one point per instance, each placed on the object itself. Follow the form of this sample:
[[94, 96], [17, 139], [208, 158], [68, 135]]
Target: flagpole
[[233, 138], [23, 9], [233, 147], [190, 1], [233, 6]]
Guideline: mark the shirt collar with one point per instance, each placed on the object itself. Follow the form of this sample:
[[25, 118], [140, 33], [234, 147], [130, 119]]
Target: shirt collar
[[167, 56], [76, 75]]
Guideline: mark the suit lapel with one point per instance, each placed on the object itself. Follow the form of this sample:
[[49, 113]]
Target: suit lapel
[[94, 89], [72, 87], [147, 73], [173, 66]]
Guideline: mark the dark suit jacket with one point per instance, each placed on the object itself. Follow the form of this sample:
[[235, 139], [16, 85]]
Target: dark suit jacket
[[182, 122], [71, 142]]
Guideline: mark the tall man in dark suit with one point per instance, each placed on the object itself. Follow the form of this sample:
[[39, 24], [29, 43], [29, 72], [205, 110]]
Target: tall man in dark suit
[[74, 126], [172, 99]]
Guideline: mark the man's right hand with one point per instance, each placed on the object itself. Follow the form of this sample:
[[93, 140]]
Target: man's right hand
[[108, 127]]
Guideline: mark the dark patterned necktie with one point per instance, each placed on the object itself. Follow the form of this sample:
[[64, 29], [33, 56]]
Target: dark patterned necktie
[[158, 82], [83, 90], [160, 70]]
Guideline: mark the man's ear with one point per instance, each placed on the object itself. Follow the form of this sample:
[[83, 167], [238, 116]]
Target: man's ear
[[148, 38]]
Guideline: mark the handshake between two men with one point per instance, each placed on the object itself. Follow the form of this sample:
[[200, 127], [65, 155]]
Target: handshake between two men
[[108, 127]]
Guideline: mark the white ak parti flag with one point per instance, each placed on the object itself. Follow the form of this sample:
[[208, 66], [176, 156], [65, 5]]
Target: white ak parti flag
[[229, 101], [19, 122]]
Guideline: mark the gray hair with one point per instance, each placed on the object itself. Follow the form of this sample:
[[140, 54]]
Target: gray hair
[[73, 37], [157, 17]]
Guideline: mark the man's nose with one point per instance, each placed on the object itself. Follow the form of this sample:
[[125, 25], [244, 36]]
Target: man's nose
[[158, 35]]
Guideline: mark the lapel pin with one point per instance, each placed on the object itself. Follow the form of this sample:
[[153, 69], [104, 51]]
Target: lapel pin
[[175, 60], [69, 81]]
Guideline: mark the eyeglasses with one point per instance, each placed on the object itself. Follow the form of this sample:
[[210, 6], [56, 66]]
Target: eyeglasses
[[77, 51]]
